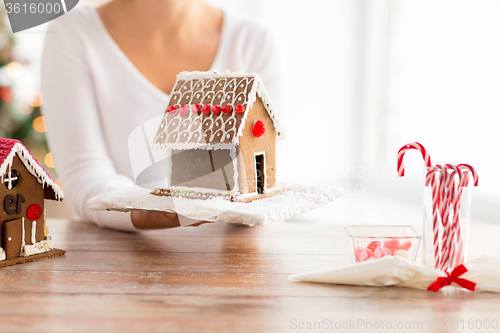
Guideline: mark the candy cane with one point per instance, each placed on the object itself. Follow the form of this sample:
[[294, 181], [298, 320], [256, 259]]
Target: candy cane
[[450, 229], [431, 179], [459, 258], [404, 149], [475, 177], [446, 185]]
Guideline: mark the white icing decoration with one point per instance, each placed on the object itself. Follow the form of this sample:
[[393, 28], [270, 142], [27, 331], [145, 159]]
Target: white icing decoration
[[37, 248], [199, 189], [9, 179], [23, 242], [2, 254], [32, 166], [33, 232]]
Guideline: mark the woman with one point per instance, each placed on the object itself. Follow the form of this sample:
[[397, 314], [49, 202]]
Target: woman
[[106, 71]]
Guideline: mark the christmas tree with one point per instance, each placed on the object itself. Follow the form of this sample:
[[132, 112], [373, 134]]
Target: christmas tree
[[20, 118]]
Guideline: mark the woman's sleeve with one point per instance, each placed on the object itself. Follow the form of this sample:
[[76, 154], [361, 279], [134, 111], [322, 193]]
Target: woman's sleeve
[[74, 128]]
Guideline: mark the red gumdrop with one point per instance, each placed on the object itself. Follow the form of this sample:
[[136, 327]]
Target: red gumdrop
[[183, 110], [374, 245], [405, 245], [207, 108], [381, 252], [363, 254], [172, 109], [258, 128], [227, 108], [216, 109], [240, 108], [34, 212], [196, 108], [392, 244]]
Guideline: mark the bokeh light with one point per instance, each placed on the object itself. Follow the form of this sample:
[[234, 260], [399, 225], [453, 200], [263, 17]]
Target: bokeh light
[[36, 99], [24, 108], [49, 162], [6, 94], [14, 70], [39, 124]]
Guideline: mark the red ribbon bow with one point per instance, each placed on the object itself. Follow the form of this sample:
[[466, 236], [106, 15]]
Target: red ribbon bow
[[453, 277]]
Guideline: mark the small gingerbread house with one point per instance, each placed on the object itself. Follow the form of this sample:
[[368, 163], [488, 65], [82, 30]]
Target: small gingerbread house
[[25, 186], [222, 129]]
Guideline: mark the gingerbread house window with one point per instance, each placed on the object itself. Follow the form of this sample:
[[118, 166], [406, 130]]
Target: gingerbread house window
[[11, 179]]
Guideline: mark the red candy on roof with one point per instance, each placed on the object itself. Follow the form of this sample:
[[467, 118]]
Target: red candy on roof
[[183, 110], [172, 109], [196, 108], [216, 109], [239, 108], [207, 108]]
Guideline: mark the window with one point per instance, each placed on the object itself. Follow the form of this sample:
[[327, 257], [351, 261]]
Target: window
[[437, 78], [11, 179]]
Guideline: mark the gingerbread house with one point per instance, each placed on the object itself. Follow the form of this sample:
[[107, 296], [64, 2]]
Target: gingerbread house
[[222, 130], [22, 222]]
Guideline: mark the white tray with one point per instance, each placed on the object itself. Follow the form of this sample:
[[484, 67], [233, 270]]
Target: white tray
[[297, 199]]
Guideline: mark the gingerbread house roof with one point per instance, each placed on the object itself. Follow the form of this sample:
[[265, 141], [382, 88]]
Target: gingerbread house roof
[[9, 148], [207, 110]]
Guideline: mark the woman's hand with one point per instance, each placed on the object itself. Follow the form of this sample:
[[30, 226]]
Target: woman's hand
[[146, 220]]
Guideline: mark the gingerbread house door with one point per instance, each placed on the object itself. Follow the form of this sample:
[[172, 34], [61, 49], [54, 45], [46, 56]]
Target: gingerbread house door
[[260, 172], [13, 238]]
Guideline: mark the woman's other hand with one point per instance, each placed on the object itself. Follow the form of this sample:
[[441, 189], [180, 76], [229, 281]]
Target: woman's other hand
[[146, 220]]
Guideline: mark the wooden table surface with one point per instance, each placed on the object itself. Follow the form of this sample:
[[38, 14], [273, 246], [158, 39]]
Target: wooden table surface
[[222, 278]]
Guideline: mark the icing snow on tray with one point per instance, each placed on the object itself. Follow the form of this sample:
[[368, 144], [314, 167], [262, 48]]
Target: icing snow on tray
[[295, 200]]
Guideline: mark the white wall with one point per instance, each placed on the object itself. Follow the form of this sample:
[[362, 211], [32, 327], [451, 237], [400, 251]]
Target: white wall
[[320, 47]]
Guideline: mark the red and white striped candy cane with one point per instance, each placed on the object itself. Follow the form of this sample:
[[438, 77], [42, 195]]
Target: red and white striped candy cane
[[404, 149], [446, 185], [449, 249], [473, 172], [460, 244], [459, 256], [432, 180]]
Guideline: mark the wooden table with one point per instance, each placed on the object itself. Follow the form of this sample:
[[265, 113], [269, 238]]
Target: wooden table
[[221, 278]]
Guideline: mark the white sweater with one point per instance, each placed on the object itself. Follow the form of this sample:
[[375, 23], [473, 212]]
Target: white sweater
[[94, 98]]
